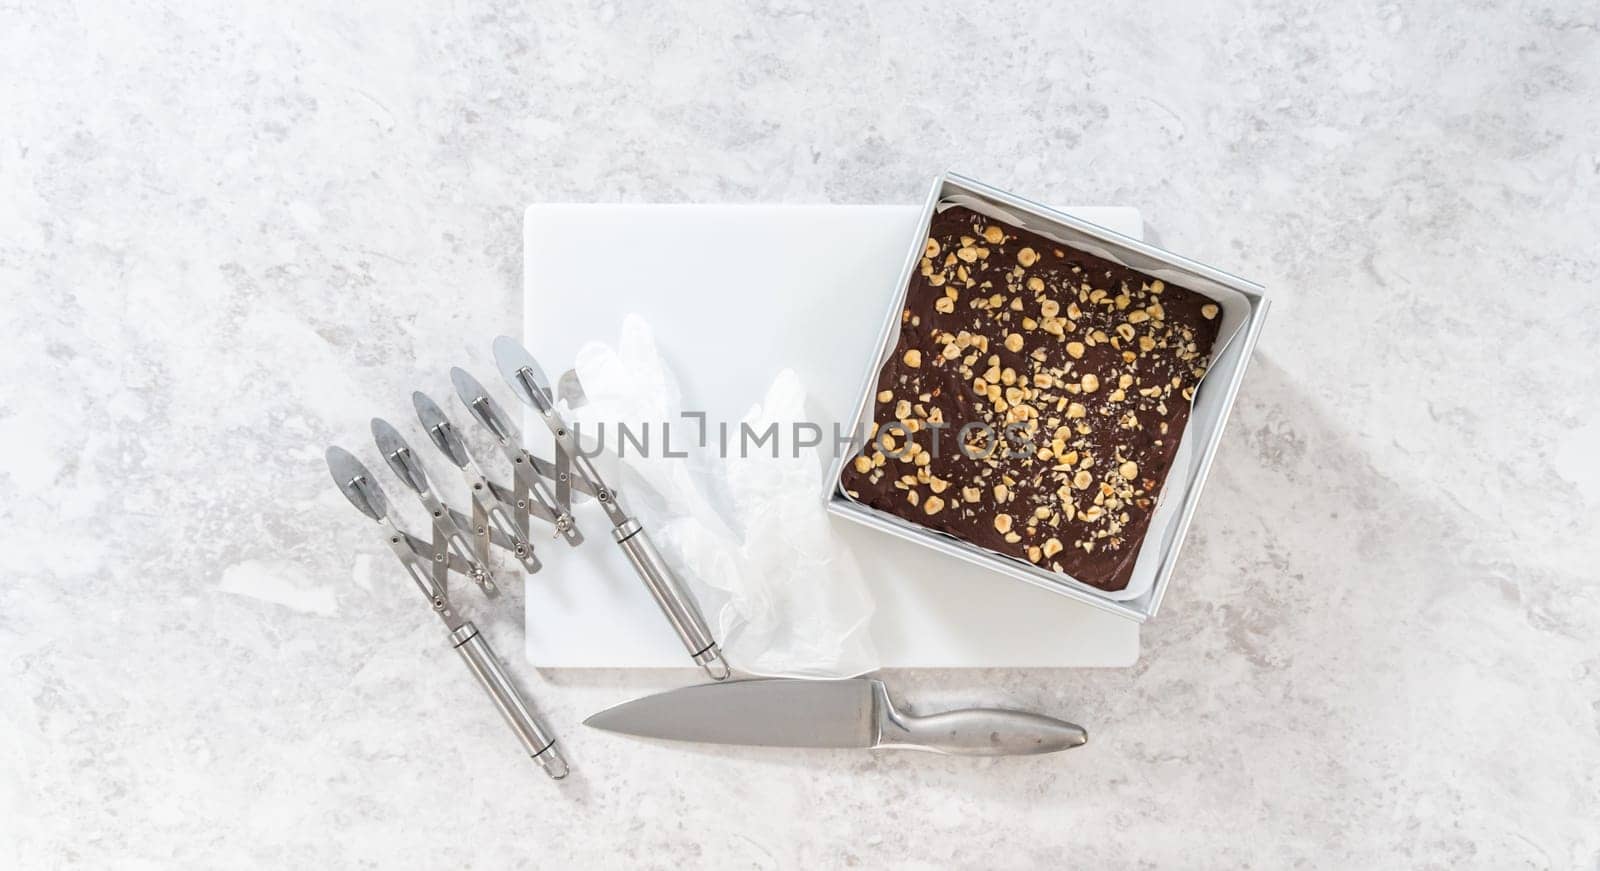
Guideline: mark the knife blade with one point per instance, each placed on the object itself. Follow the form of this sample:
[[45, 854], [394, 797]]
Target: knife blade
[[783, 712]]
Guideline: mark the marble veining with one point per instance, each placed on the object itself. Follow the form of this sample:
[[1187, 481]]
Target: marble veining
[[231, 235]]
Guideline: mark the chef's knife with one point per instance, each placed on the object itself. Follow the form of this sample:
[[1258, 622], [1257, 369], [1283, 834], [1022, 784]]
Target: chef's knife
[[780, 712]]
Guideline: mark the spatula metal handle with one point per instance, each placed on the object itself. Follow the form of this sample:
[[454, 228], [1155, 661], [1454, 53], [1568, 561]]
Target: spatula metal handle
[[486, 668], [975, 731]]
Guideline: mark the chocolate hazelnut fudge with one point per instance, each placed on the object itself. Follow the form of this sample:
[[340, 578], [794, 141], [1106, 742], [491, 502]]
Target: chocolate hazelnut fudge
[[1035, 399]]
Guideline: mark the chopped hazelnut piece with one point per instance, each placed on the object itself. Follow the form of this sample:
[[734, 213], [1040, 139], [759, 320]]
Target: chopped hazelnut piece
[[1027, 256], [1209, 311], [913, 358]]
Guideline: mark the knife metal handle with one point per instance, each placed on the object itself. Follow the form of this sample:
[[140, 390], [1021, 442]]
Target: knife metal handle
[[486, 668], [675, 601], [975, 731]]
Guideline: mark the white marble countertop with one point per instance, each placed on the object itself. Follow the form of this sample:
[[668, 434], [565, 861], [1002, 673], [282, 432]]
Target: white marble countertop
[[228, 236]]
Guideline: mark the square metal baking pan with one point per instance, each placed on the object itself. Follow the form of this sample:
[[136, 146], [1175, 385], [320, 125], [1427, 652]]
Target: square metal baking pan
[[1203, 432]]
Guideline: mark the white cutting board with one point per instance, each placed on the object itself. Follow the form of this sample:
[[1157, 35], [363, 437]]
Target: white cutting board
[[734, 294]]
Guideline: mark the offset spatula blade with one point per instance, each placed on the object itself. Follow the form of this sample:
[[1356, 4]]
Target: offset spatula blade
[[769, 713]]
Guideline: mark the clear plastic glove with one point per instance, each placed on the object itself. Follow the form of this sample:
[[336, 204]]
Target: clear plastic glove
[[749, 534]]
